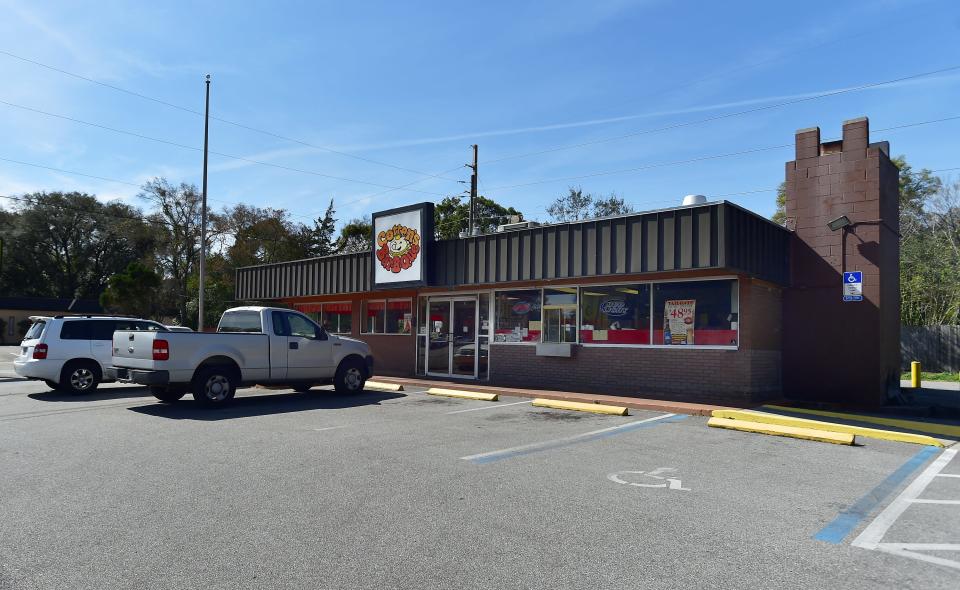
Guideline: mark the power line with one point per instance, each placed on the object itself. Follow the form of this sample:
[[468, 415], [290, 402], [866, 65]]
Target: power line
[[723, 116], [703, 158], [221, 120], [194, 148]]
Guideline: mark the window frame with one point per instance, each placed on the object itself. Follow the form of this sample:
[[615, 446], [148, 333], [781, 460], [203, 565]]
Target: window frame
[[386, 306], [543, 314], [494, 313]]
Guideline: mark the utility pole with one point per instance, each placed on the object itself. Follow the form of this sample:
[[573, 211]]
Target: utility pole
[[203, 210], [473, 193]]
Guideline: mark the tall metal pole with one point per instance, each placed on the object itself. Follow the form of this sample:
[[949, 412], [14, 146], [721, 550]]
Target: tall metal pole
[[203, 211], [473, 193]]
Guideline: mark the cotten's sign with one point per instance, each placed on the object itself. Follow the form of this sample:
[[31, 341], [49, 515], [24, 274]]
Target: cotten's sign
[[400, 240]]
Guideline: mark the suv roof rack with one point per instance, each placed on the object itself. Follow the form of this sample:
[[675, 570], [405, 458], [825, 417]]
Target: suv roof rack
[[131, 317]]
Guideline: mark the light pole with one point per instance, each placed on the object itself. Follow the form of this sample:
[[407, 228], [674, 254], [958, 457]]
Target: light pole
[[203, 210]]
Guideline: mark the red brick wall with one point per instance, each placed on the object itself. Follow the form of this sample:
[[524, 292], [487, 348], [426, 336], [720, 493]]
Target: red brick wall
[[747, 375], [836, 351]]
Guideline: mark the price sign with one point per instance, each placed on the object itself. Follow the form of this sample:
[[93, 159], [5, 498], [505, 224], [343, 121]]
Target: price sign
[[678, 321]]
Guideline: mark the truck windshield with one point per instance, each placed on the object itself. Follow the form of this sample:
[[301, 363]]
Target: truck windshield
[[240, 321]]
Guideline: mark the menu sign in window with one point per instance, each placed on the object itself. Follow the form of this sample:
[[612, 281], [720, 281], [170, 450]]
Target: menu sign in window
[[678, 321]]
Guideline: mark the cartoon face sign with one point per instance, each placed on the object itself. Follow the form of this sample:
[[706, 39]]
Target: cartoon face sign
[[397, 248]]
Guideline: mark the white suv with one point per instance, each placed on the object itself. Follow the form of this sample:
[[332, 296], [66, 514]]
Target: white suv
[[70, 353]]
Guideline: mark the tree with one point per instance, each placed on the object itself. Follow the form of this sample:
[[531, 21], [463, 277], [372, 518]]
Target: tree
[[452, 216], [177, 223], [356, 236], [133, 291], [780, 216], [612, 205], [68, 244], [322, 242], [916, 190], [577, 205], [573, 206]]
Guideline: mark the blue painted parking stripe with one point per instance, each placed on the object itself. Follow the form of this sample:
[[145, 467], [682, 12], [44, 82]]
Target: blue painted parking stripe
[[848, 519], [563, 442]]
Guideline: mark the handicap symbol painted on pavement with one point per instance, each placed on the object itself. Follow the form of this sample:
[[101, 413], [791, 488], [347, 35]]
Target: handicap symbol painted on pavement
[[672, 483]]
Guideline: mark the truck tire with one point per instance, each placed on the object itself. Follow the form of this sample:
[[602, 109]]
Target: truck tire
[[350, 376], [167, 396], [214, 386], [79, 377]]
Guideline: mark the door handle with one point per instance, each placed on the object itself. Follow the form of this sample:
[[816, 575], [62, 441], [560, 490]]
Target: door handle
[[294, 345]]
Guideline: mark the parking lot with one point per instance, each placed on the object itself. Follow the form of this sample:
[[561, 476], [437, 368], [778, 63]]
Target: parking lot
[[407, 490]]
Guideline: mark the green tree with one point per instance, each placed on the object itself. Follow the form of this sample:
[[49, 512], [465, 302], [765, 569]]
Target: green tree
[[133, 291], [322, 236], [573, 206], [780, 216], [356, 236], [452, 216], [916, 190], [612, 205], [68, 244]]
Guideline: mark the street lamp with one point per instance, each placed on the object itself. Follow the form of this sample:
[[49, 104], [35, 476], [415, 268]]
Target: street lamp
[[840, 223]]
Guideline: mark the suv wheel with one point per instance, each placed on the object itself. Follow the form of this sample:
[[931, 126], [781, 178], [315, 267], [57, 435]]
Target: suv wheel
[[80, 377], [214, 386], [350, 376]]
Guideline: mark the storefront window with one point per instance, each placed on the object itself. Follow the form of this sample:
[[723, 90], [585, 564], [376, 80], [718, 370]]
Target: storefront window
[[695, 313], [374, 314], [615, 314], [337, 318], [393, 316], [517, 316], [399, 319], [560, 314]]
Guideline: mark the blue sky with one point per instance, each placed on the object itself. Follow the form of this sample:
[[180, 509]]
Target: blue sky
[[413, 84]]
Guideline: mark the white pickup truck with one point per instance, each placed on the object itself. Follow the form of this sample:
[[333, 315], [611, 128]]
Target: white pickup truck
[[251, 345]]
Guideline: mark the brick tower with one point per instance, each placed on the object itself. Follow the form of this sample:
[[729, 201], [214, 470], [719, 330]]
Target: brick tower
[[836, 351]]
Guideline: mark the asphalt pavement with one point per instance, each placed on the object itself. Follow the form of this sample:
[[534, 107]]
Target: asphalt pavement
[[406, 490]]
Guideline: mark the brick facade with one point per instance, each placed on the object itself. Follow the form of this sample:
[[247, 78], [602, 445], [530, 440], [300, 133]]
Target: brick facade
[[747, 375], [836, 351]]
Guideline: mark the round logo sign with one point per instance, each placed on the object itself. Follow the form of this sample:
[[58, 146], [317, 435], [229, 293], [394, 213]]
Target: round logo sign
[[614, 307], [398, 247]]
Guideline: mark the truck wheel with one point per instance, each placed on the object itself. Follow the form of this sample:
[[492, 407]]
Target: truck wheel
[[165, 395], [79, 377], [214, 386], [349, 377]]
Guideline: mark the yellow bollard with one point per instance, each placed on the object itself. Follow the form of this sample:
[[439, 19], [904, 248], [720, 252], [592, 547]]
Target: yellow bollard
[[915, 374]]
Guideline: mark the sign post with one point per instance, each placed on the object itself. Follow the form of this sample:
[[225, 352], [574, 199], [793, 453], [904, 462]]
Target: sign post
[[853, 286]]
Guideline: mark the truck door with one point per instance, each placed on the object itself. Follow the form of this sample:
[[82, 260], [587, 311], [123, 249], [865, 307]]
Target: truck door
[[309, 350], [279, 334]]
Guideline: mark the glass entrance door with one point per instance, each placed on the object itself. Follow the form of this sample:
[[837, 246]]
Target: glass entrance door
[[438, 338], [452, 346]]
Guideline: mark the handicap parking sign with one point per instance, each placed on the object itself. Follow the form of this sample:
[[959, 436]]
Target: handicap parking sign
[[853, 286]]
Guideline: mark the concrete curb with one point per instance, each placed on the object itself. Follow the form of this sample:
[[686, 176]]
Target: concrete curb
[[905, 437], [580, 407], [837, 438], [486, 397]]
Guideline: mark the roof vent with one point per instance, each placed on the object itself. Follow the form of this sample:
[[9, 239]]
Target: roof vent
[[517, 226], [694, 200]]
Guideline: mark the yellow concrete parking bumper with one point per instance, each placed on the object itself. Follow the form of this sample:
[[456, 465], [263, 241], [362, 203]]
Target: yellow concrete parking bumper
[[929, 427], [384, 386], [919, 439], [580, 407], [486, 397], [837, 438]]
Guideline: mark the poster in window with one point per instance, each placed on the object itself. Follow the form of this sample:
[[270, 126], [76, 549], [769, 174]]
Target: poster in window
[[400, 245], [678, 321]]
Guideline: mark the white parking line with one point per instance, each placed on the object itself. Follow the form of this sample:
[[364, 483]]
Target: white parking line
[[493, 407], [872, 536]]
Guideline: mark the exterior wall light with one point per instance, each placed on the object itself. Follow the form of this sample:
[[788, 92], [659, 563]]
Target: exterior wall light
[[839, 223]]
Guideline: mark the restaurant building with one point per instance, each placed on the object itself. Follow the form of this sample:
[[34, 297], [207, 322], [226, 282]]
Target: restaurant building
[[704, 301]]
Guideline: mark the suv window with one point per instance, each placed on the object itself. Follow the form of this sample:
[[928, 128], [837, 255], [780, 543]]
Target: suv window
[[77, 330], [240, 321], [301, 326], [103, 329], [35, 330]]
